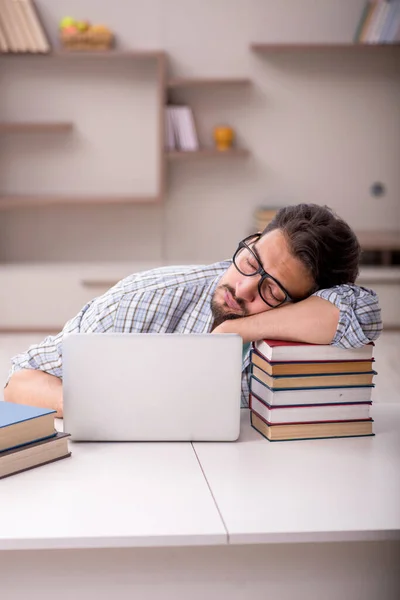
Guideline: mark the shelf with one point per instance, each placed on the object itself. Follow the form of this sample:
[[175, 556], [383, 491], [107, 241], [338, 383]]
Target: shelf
[[10, 202], [76, 54], [182, 82], [32, 127], [207, 153], [379, 240], [259, 47]]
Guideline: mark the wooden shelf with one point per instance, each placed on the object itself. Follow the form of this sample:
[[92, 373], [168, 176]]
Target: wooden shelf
[[32, 127], [379, 240], [182, 82], [11, 202], [259, 47], [76, 54], [206, 153]]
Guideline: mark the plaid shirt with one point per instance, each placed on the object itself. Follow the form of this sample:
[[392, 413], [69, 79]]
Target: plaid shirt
[[177, 300]]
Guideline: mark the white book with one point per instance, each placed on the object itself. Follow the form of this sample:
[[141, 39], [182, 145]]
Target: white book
[[192, 143], [169, 130], [35, 26], [3, 39], [29, 34], [378, 22], [310, 396], [307, 414], [177, 128], [20, 26], [9, 26]]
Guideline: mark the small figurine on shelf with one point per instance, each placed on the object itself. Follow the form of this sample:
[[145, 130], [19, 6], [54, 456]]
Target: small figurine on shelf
[[81, 35], [223, 136]]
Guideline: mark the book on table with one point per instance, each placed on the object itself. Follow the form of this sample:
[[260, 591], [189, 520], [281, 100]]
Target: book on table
[[332, 395], [319, 380], [24, 458], [310, 391], [278, 350], [303, 431], [21, 424], [314, 367], [317, 413], [28, 438]]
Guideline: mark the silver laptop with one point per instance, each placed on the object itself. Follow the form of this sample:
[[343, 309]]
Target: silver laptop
[[152, 386]]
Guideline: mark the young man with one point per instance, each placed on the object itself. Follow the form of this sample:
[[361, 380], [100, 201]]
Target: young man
[[295, 281]]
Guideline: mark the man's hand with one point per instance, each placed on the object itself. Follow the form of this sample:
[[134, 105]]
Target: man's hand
[[36, 388], [313, 320]]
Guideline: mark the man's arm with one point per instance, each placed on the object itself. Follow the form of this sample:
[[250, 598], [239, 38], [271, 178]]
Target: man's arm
[[347, 316], [36, 375], [35, 388]]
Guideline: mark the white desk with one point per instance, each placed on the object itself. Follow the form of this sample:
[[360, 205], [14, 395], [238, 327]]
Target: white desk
[[111, 496], [127, 521], [308, 491]]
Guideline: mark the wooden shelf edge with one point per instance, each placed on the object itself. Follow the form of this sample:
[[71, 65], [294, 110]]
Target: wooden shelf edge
[[181, 82], [76, 54], [28, 329], [11, 202], [206, 153], [266, 47], [379, 240], [32, 127]]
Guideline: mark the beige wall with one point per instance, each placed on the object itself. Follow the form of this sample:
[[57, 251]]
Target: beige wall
[[320, 128]]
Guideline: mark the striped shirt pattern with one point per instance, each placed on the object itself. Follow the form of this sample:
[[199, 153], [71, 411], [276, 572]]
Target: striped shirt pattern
[[178, 300]]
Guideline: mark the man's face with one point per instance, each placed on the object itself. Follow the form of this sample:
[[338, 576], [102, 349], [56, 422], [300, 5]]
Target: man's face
[[237, 295]]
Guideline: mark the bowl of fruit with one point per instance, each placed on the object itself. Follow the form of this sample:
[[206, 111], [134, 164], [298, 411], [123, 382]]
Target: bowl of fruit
[[81, 35]]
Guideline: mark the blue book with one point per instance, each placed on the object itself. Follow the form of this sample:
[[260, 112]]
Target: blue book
[[21, 424]]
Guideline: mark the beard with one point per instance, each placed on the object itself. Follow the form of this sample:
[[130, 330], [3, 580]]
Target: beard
[[222, 312]]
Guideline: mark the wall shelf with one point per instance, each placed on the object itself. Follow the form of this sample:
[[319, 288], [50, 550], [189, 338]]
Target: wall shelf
[[263, 47], [379, 240], [207, 153], [26, 201], [32, 127], [182, 82], [95, 54]]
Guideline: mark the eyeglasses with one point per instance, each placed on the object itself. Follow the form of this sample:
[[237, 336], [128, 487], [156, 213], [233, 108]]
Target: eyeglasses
[[247, 263]]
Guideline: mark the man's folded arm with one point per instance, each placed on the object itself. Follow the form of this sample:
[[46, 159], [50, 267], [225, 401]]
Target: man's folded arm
[[347, 316]]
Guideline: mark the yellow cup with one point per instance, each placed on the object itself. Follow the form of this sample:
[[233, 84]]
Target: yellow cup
[[223, 137]]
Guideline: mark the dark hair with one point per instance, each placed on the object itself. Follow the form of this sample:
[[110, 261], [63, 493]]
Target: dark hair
[[323, 242]]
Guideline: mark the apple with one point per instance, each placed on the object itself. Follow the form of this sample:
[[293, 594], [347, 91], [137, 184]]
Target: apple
[[82, 25], [67, 22], [72, 30]]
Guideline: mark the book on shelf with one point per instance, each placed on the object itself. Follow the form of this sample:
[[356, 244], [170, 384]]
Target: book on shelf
[[35, 454], [180, 129], [278, 350], [278, 415], [304, 431], [330, 395], [379, 23], [310, 367], [319, 380], [21, 424], [21, 30]]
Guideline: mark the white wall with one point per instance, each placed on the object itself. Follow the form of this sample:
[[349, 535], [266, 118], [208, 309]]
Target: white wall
[[321, 127]]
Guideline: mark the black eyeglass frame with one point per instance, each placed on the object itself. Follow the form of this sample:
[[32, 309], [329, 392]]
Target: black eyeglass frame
[[260, 271]]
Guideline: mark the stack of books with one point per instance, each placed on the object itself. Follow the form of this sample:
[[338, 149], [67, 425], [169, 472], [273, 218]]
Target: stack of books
[[305, 391], [28, 438], [180, 129], [21, 30], [379, 23]]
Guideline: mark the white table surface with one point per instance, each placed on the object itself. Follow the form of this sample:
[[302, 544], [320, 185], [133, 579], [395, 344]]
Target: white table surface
[[301, 491], [111, 495], [176, 494]]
